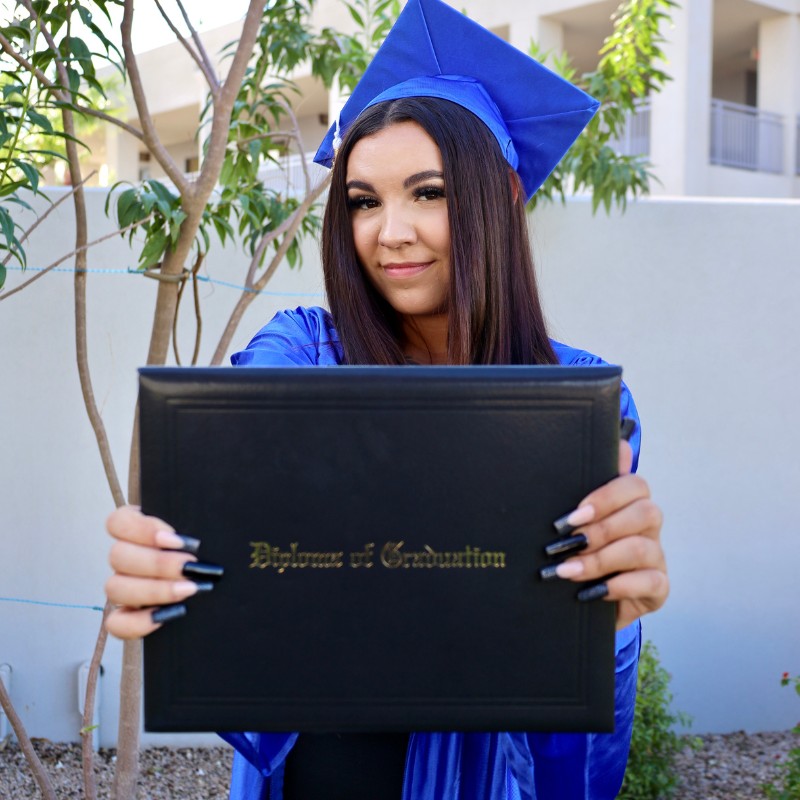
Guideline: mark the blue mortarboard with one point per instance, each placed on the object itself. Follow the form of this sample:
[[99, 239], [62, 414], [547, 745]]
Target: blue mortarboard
[[435, 51]]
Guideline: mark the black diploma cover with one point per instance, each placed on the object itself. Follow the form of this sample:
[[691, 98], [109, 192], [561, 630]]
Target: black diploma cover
[[381, 529]]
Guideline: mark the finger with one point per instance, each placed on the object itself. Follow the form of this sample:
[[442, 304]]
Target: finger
[[127, 523], [628, 554], [126, 623], [614, 495], [147, 562], [625, 457], [642, 517], [638, 593], [123, 590]]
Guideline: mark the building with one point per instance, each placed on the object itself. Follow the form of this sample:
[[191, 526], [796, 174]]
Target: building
[[726, 125]]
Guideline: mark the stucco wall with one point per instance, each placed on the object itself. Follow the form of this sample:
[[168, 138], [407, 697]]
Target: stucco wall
[[696, 298]]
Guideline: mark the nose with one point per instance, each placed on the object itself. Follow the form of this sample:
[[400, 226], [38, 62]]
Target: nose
[[397, 228]]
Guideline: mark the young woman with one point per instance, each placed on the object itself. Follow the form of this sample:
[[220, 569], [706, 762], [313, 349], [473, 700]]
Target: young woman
[[427, 261]]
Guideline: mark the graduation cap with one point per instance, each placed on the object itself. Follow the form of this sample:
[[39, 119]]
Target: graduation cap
[[435, 51]]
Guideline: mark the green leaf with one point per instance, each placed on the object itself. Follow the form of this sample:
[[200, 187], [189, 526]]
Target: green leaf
[[153, 249], [40, 120], [30, 172], [355, 15], [3, 273], [79, 49], [161, 191], [128, 208]]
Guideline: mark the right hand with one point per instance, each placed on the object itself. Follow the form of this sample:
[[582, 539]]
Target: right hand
[[147, 564]]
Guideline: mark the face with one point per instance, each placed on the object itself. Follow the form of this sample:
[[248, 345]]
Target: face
[[396, 193]]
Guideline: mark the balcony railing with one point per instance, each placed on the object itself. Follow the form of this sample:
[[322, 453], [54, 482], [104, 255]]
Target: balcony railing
[[746, 137], [797, 148], [635, 138]]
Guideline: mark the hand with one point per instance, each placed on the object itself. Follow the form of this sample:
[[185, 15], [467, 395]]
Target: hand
[[149, 561], [622, 529]]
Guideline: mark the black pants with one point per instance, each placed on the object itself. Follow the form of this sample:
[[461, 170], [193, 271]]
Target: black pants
[[346, 766]]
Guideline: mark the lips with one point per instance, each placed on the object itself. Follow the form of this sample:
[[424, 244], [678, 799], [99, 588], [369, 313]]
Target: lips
[[405, 270]]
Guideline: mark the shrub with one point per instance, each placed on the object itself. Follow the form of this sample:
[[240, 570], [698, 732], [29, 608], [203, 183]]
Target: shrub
[[787, 787], [651, 766]]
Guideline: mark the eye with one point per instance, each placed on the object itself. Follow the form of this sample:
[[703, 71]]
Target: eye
[[429, 193], [361, 202]]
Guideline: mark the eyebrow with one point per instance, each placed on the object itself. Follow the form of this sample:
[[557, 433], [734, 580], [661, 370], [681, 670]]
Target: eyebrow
[[411, 180]]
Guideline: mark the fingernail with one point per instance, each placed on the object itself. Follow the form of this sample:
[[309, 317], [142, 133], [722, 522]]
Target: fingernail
[[569, 522], [592, 592], [566, 570], [184, 589], [167, 613], [626, 428], [570, 569], [571, 544], [201, 569], [548, 573], [170, 540]]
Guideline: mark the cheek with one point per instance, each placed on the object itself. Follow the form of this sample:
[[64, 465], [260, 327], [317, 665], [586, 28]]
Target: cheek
[[364, 238], [439, 234]]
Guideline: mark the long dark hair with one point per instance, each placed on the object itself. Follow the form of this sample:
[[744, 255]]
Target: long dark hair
[[494, 313]]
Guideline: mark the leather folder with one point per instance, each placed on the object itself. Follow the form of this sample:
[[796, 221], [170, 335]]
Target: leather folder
[[382, 530]]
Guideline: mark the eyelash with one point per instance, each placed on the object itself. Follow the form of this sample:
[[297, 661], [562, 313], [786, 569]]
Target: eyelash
[[361, 203], [366, 202]]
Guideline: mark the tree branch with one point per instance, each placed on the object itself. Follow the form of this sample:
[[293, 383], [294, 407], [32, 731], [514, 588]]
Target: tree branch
[[93, 112], [223, 104], [129, 721], [211, 78], [150, 135], [89, 783], [52, 207], [198, 43], [247, 297], [8, 48], [39, 774], [299, 139], [75, 252], [266, 240]]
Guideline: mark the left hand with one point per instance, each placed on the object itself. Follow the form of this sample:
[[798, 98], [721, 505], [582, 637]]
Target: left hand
[[624, 541]]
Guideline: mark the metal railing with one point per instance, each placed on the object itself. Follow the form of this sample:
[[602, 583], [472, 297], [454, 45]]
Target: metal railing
[[797, 148], [635, 137], [746, 137]]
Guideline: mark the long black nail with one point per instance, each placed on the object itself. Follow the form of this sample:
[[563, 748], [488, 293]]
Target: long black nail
[[203, 586], [190, 544], [563, 528], [202, 569], [626, 428], [572, 544], [548, 573], [167, 613], [592, 592]]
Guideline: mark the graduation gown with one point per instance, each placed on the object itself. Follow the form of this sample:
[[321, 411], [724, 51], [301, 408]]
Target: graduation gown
[[454, 766]]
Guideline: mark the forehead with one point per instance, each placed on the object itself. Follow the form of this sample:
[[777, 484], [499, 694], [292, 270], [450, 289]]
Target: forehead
[[402, 147]]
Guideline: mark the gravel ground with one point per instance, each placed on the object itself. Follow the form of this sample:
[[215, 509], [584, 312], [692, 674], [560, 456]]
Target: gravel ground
[[726, 767]]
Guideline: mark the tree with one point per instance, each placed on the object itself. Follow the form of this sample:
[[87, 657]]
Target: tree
[[626, 74], [50, 52]]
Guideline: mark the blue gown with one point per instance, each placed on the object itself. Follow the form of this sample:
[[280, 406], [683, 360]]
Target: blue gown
[[454, 766]]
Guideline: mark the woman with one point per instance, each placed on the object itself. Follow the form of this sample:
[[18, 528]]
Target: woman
[[427, 260]]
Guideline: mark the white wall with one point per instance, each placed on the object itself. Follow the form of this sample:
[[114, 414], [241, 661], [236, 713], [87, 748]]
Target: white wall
[[697, 299]]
